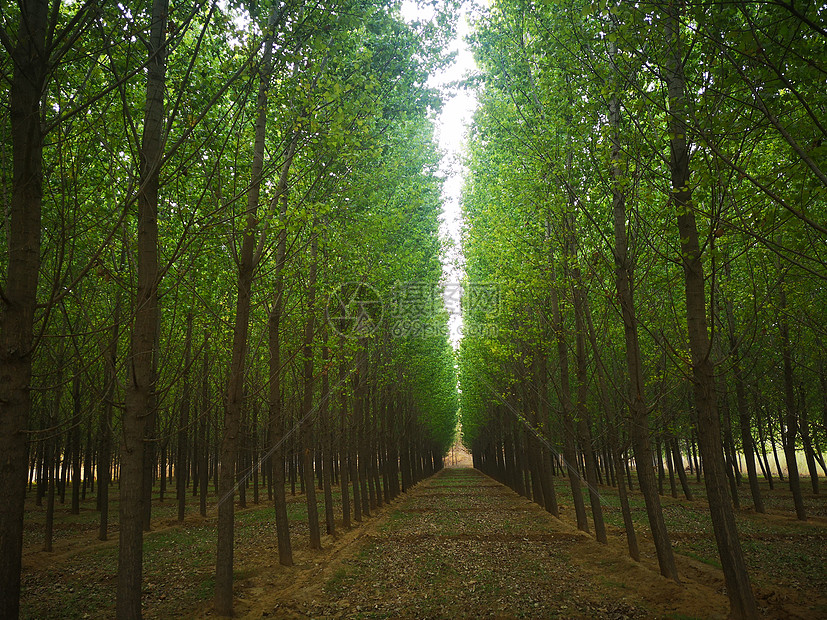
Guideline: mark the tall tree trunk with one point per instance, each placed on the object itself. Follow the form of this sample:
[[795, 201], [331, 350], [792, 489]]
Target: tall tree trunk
[[638, 410], [822, 379], [532, 444], [615, 450], [353, 473], [63, 468], [235, 386], [356, 457], [40, 489], [105, 424], [791, 408], [18, 299], [150, 454], [88, 478], [673, 487], [547, 480], [807, 443], [762, 442], [326, 442], [255, 459], [344, 445], [741, 402], [307, 400], [276, 424], [183, 426], [275, 401], [774, 448], [677, 460], [241, 452], [52, 459], [140, 392], [51, 466], [162, 469], [360, 418], [729, 450], [628, 523], [739, 591], [583, 423], [569, 448], [659, 462], [203, 431], [75, 439]]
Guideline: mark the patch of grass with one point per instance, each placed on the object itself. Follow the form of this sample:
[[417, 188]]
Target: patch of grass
[[611, 582], [339, 583], [297, 511], [368, 550], [205, 589], [396, 520], [264, 514], [486, 582], [703, 559]]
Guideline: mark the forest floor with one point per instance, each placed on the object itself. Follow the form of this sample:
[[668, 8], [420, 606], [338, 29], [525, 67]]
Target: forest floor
[[458, 545], [461, 545]]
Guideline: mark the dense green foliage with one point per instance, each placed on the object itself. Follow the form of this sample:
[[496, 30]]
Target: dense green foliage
[[540, 154]]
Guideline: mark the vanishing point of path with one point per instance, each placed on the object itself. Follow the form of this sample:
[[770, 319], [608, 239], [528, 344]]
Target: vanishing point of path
[[461, 545]]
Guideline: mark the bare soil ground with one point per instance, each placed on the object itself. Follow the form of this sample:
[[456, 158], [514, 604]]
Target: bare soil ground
[[461, 545], [458, 545]]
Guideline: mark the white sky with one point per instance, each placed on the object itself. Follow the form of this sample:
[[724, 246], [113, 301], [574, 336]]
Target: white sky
[[452, 124]]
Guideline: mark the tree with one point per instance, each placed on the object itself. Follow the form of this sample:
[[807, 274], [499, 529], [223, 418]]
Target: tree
[[723, 521], [140, 394]]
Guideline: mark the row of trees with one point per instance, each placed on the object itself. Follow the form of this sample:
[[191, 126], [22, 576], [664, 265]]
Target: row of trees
[[649, 180], [207, 211]]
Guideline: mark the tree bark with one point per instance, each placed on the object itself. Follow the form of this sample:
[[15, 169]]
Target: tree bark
[[204, 453], [326, 442], [18, 299], [614, 448], [104, 465], [730, 464], [52, 458], [638, 411], [75, 439], [677, 460], [791, 408], [344, 449], [183, 426], [747, 444], [583, 422], [140, 392], [807, 443], [569, 448], [307, 400], [276, 406], [762, 442], [739, 591], [51, 466], [547, 480], [360, 419], [235, 386]]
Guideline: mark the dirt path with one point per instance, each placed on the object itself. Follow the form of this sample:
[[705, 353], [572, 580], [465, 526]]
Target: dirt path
[[461, 545]]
